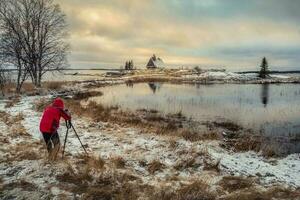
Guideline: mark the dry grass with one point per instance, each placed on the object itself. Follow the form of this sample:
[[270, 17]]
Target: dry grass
[[196, 136], [254, 193], [91, 162], [247, 143], [211, 165], [27, 155], [106, 185], [231, 126], [149, 121], [18, 118], [82, 177], [197, 190], [233, 183], [118, 162], [155, 166], [6, 118], [24, 185], [12, 102], [53, 85], [173, 144], [41, 104], [18, 130], [25, 151], [185, 163], [86, 94], [269, 151]]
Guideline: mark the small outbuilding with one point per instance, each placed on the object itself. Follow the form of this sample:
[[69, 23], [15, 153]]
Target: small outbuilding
[[155, 62]]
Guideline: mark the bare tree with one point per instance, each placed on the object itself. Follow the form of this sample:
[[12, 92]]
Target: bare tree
[[11, 55], [35, 32], [4, 78]]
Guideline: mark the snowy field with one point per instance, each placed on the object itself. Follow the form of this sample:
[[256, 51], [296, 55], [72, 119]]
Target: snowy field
[[137, 150]]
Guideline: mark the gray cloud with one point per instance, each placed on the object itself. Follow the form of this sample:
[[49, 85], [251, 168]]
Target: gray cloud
[[236, 33]]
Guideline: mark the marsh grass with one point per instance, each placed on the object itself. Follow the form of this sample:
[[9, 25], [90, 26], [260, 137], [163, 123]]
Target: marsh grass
[[155, 166], [81, 95], [12, 101], [118, 162], [25, 151], [41, 104], [233, 183], [53, 85], [189, 162], [92, 162], [198, 190], [18, 130], [22, 184], [211, 165], [6, 118], [274, 192]]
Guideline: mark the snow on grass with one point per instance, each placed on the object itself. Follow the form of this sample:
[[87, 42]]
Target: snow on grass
[[109, 141], [285, 170]]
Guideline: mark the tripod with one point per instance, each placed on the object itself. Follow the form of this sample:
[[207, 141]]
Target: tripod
[[69, 126]]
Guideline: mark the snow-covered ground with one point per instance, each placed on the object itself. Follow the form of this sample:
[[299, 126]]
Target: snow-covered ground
[[111, 141]]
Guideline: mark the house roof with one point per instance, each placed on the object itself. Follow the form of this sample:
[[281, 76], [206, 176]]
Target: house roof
[[155, 62]]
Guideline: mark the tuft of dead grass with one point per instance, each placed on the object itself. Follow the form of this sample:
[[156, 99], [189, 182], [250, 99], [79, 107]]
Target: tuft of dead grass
[[12, 102], [25, 151], [6, 118], [82, 177], [41, 104], [24, 185], [197, 190], [27, 155], [233, 183], [275, 192], [247, 143], [91, 162], [53, 85], [86, 94], [118, 162], [211, 165], [231, 126], [195, 136], [155, 166], [18, 130], [18, 118]]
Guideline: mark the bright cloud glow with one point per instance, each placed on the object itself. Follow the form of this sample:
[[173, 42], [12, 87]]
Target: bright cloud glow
[[213, 33]]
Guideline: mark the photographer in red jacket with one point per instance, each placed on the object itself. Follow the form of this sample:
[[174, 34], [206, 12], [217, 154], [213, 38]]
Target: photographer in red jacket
[[50, 123]]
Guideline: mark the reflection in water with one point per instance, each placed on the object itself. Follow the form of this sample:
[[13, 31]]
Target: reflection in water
[[154, 87], [129, 84], [241, 104], [265, 94]]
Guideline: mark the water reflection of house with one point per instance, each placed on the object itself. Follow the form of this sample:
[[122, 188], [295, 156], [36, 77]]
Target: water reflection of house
[[154, 87], [155, 62]]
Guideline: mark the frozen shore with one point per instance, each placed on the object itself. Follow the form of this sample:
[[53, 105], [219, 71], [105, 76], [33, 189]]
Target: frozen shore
[[187, 77], [179, 161]]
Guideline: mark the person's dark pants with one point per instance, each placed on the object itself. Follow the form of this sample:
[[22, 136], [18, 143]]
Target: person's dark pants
[[52, 141]]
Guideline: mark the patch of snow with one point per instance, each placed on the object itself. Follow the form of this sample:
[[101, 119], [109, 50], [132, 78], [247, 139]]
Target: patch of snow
[[286, 170], [280, 76]]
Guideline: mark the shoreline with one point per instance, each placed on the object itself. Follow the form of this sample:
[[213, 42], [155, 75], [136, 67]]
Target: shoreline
[[134, 154]]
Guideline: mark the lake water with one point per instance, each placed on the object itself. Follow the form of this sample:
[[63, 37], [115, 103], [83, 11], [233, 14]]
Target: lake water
[[273, 110]]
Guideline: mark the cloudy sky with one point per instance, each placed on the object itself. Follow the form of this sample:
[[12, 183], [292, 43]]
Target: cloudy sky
[[213, 33]]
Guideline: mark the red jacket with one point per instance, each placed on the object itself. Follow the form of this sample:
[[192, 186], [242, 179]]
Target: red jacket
[[51, 117]]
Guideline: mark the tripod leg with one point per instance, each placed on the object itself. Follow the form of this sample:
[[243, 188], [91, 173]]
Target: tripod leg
[[79, 139], [63, 152]]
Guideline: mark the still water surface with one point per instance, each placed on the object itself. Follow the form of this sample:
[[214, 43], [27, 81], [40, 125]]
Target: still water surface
[[271, 109]]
